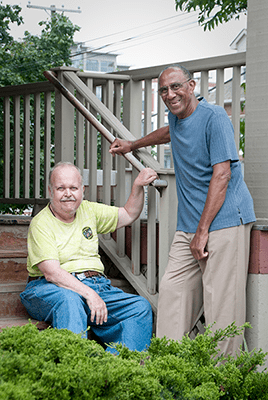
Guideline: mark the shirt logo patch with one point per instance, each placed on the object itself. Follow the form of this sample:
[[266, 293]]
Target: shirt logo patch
[[87, 232]]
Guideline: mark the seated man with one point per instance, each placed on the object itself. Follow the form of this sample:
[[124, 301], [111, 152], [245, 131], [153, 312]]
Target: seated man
[[67, 287]]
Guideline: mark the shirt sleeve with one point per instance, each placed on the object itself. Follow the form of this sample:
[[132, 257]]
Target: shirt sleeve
[[106, 217], [41, 245], [221, 138]]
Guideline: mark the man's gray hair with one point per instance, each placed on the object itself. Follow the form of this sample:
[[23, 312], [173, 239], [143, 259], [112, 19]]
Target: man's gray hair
[[62, 164], [177, 67]]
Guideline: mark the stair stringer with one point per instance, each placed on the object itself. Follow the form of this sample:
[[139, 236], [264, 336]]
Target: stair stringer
[[124, 265]]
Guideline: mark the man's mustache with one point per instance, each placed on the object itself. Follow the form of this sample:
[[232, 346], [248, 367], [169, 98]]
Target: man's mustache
[[68, 199]]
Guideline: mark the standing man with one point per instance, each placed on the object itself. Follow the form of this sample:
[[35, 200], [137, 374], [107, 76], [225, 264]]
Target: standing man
[[208, 260], [67, 286]]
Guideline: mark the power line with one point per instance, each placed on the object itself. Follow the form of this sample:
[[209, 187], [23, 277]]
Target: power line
[[88, 54], [141, 36], [154, 32], [138, 27], [138, 44]]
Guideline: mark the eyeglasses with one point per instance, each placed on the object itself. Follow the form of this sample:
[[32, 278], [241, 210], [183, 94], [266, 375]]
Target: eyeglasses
[[175, 87]]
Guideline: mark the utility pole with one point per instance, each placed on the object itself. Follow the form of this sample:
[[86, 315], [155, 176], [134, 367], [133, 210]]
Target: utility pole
[[53, 8]]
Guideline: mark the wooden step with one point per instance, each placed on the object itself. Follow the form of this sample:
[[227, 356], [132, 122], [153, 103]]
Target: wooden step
[[13, 265], [13, 232], [9, 322], [12, 312], [13, 248], [13, 253], [10, 304]]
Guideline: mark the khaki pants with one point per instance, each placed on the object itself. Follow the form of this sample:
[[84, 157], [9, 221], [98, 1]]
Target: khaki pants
[[218, 283]]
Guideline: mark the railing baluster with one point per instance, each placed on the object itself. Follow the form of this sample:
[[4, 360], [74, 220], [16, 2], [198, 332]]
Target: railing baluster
[[160, 122], [47, 142], [120, 166], [147, 124], [120, 201], [151, 241], [135, 237], [26, 146], [37, 155], [80, 135], [106, 156], [132, 100], [167, 221], [7, 147], [220, 87], [204, 84], [16, 159]]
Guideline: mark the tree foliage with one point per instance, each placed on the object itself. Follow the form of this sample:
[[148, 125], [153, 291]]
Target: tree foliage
[[213, 12], [8, 14], [25, 60]]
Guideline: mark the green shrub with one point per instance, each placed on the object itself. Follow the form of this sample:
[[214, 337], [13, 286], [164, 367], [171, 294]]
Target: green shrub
[[58, 364]]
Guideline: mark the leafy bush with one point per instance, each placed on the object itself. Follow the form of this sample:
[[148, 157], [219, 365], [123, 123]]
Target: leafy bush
[[58, 364]]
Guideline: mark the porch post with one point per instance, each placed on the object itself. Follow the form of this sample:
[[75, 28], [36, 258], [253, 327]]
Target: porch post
[[132, 111], [167, 218], [256, 170], [64, 120], [132, 107]]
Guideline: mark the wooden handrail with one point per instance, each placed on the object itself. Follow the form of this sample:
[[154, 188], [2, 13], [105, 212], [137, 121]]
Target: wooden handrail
[[94, 121]]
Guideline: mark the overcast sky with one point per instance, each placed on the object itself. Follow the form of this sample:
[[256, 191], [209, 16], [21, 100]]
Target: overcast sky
[[142, 32]]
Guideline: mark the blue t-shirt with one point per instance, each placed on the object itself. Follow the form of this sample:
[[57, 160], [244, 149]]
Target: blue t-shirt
[[200, 141]]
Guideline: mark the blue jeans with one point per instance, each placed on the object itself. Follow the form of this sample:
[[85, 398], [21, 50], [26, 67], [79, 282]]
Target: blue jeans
[[129, 316]]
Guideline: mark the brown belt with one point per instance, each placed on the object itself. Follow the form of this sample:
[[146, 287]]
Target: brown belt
[[88, 274], [33, 278]]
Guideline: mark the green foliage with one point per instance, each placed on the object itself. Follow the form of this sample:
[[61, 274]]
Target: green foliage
[[8, 14], [24, 61], [213, 12], [58, 364]]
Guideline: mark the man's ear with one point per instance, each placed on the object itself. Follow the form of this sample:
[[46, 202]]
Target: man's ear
[[192, 84], [49, 191], [83, 191]]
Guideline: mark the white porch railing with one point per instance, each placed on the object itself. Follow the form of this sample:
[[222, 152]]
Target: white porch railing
[[125, 104]]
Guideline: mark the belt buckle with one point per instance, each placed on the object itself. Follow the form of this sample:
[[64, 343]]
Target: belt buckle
[[81, 276]]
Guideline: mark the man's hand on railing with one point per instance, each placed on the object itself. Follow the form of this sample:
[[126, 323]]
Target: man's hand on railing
[[145, 177], [120, 147], [134, 205]]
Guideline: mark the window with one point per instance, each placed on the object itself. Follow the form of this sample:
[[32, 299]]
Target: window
[[107, 66], [77, 61], [92, 65]]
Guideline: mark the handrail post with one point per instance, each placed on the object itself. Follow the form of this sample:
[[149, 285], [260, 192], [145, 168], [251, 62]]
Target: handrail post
[[132, 107], [236, 106], [167, 219], [204, 84], [64, 120]]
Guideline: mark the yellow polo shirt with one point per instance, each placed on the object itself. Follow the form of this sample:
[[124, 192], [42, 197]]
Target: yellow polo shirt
[[74, 244]]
